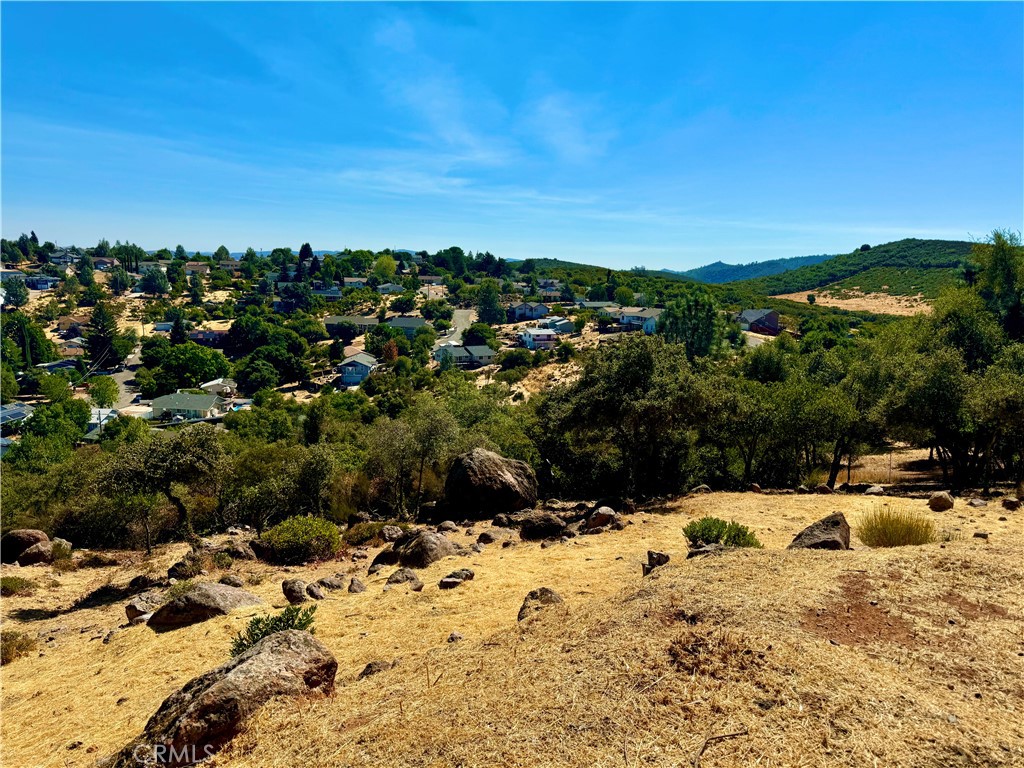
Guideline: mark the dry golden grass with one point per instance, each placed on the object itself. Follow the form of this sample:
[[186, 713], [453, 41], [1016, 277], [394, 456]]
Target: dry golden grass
[[629, 671], [895, 526], [879, 303]]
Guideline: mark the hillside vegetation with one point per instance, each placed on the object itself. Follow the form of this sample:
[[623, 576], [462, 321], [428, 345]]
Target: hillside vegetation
[[720, 272], [909, 254], [895, 281]]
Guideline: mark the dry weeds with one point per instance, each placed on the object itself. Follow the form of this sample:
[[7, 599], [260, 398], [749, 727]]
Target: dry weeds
[[628, 671]]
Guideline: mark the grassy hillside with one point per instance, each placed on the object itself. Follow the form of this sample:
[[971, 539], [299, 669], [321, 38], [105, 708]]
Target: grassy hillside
[[720, 272], [898, 282], [898, 657], [910, 254]]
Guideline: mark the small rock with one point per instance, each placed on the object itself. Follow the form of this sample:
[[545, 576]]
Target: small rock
[[142, 604], [654, 559], [143, 619], [232, 581], [478, 548], [1011, 504], [448, 527], [454, 637], [375, 568], [375, 667], [754, 488], [356, 586], [802, 489], [875, 490], [391, 533], [832, 532], [977, 503], [823, 489], [449, 583], [980, 535], [109, 636], [463, 574], [294, 590], [315, 592], [143, 582], [406, 576], [940, 501], [1002, 519], [331, 582], [537, 600]]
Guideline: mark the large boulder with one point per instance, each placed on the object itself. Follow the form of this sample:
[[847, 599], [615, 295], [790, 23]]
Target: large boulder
[[940, 501], [201, 603], [481, 484], [142, 604], [832, 532], [538, 525], [405, 576], [1011, 504], [294, 590], [41, 552], [15, 542], [423, 548], [210, 710]]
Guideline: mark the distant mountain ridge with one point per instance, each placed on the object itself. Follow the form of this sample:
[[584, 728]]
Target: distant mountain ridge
[[720, 272]]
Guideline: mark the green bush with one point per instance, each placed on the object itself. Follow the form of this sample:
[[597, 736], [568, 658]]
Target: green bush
[[14, 645], [16, 585], [223, 560], [361, 533], [292, 617], [714, 530], [177, 590], [300, 539], [888, 527]]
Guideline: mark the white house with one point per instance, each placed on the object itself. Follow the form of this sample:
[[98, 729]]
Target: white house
[[220, 387], [389, 288], [640, 318], [355, 369], [354, 282], [529, 310], [538, 338], [457, 353]]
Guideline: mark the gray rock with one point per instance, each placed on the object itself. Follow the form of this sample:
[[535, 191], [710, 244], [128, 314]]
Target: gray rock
[[449, 583], [14, 543], [143, 619], [875, 490], [210, 710], [186, 568], [940, 501], [493, 535], [294, 590], [406, 576], [463, 574], [356, 586], [977, 503], [423, 548], [802, 489], [481, 483], [232, 581], [832, 532], [537, 600], [237, 550], [142, 604], [823, 488], [144, 581], [477, 548], [331, 582], [1011, 504], [980, 535], [391, 533], [654, 560], [203, 602], [754, 488], [315, 592], [455, 637], [39, 553], [602, 517], [538, 524], [447, 527]]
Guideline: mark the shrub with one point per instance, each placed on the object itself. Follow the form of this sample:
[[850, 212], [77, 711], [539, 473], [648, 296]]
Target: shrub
[[98, 560], [179, 589], [292, 617], [16, 585], [360, 533], [223, 560], [299, 539], [714, 530], [889, 527], [14, 645]]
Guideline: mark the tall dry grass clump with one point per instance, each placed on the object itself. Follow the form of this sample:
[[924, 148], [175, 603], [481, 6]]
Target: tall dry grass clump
[[896, 527]]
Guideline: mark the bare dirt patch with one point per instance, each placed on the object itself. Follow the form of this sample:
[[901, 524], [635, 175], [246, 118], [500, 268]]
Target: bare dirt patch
[[878, 303], [855, 618]]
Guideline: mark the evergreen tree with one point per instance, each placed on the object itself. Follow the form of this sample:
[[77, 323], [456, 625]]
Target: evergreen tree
[[101, 337], [180, 254], [179, 333], [305, 252], [489, 307]]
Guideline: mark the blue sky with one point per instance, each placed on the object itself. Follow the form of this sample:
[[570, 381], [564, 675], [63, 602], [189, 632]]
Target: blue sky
[[668, 135]]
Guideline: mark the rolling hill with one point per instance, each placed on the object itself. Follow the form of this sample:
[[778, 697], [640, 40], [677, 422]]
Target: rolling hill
[[909, 267]]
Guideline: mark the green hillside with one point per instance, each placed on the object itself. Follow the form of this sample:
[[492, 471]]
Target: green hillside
[[910, 254], [720, 272], [926, 282]]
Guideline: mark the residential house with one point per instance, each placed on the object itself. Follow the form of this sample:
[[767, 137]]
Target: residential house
[[186, 405], [63, 257], [529, 310], [431, 279], [558, 324], [333, 322], [72, 347], [105, 263], [538, 338], [67, 364], [458, 354], [12, 274], [100, 416], [356, 368], [606, 308], [12, 414], [220, 387], [389, 288], [480, 354], [145, 266], [765, 321], [328, 289], [550, 294], [354, 282], [209, 338], [232, 267], [640, 318], [39, 282], [72, 324], [408, 324], [163, 327], [196, 268]]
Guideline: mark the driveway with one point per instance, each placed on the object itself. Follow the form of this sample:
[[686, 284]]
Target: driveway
[[461, 320]]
